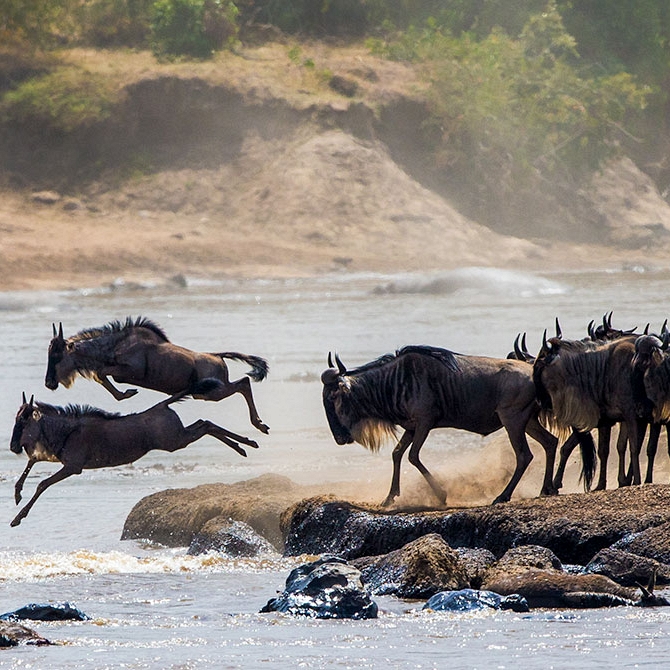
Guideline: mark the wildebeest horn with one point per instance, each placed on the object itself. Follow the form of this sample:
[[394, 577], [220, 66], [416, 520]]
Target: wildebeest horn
[[545, 345], [664, 327], [517, 351], [340, 365], [591, 329], [559, 333], [53, 328], [666, 339], [646, 329], [24, 398], [60, 330], [330, 360]]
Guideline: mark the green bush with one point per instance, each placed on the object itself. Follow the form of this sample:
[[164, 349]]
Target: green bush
[[62, 100], [193, 28]]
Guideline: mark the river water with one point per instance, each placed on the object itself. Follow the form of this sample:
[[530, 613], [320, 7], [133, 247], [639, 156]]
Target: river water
[[153, 607]]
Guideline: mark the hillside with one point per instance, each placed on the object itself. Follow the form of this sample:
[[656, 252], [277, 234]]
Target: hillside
[[252, 165]]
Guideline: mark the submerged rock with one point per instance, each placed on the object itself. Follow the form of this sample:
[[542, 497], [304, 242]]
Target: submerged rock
[[46, 612], [468, 600], [627, 568], [328, 588], [418, 570], [233, 538], [13, 634]]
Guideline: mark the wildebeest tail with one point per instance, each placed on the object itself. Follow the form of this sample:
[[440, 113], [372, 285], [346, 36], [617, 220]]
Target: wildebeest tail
[[587, 448], [259, 366]]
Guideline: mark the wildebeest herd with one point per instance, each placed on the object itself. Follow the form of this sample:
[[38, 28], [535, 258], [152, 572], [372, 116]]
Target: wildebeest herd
[[569, 389]]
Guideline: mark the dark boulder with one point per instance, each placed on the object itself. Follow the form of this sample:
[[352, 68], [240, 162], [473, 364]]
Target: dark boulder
[[46, 612], [468, 600], [327, 588], [627, 568], [652, 542], [476, 563], [418, 570]]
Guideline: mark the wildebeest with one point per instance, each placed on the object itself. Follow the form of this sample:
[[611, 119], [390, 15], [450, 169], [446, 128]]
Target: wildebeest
[[83, 438], [139, 352], [420, 388], [584, 385]]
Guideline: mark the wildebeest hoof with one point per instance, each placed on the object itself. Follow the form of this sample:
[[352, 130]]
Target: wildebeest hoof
[[262, 427], [128, 394], [15, 522]]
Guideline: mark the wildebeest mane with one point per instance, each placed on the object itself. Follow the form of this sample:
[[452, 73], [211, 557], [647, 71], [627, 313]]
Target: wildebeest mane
[[75, 411], [119, 328], [445, 357]]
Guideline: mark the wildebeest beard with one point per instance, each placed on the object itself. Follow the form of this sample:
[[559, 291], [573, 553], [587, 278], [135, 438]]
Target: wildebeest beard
[[372, 433]]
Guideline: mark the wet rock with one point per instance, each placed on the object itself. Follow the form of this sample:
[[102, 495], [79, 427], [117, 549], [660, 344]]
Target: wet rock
[[555, 588], [529, 556], [233, 538], [575, 527], [328, 588], [174, 517], [14, 634], [46, 612], [627, 568], [468, 600], [653, 542], [417, 570], [476, 563]]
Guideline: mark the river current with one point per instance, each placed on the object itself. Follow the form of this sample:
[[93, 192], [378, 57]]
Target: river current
[[154, 607]]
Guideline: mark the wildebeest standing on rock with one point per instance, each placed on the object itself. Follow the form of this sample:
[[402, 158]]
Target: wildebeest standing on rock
[[420, 388], [584, 385], [83, 438], [139, 352]]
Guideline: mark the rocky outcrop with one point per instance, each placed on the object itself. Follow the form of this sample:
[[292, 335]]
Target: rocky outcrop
[[13, 634], [233, 538], [575, 527]]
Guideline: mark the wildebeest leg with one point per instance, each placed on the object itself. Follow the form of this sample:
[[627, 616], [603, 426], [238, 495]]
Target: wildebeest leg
[[242, 386], [636, 431], [524, 456], [420, 435], [118, 395], [400, 449], [65, 472], [18, 487], [549, 443], [604, 435], [566, 451], [203, 427], [652, 446]]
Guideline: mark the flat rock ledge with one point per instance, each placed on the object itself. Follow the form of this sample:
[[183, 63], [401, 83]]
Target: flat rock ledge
[[574, 527]]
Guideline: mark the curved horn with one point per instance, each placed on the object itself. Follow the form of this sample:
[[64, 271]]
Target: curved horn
[[24, 398], [666, 339], [559, 332], [53, 328], [646, 330], [664, 327], [340, 365], [609, 320], [330, 360], [591, 330], [524, 348], [517, 351], [60, 330], [32, 398]]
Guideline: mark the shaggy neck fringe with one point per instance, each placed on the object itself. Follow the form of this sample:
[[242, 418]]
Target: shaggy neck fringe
[[373, 433]]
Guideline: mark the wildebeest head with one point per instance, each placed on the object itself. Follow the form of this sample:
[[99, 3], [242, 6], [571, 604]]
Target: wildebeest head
[[60, 366], [547, 354], [336, 401], [26, 428]]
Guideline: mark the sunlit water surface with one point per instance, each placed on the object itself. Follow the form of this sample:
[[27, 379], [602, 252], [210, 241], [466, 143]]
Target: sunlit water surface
[[153, 607]]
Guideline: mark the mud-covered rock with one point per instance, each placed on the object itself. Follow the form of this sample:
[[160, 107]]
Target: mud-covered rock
[[652, 542], [469, 600], [175, 516], [418, 570], [233, 538], [327, 588]]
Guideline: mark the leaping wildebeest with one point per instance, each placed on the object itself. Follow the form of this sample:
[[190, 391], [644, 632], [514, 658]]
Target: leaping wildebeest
[[83, 438], [139, 352], [420, 388]]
